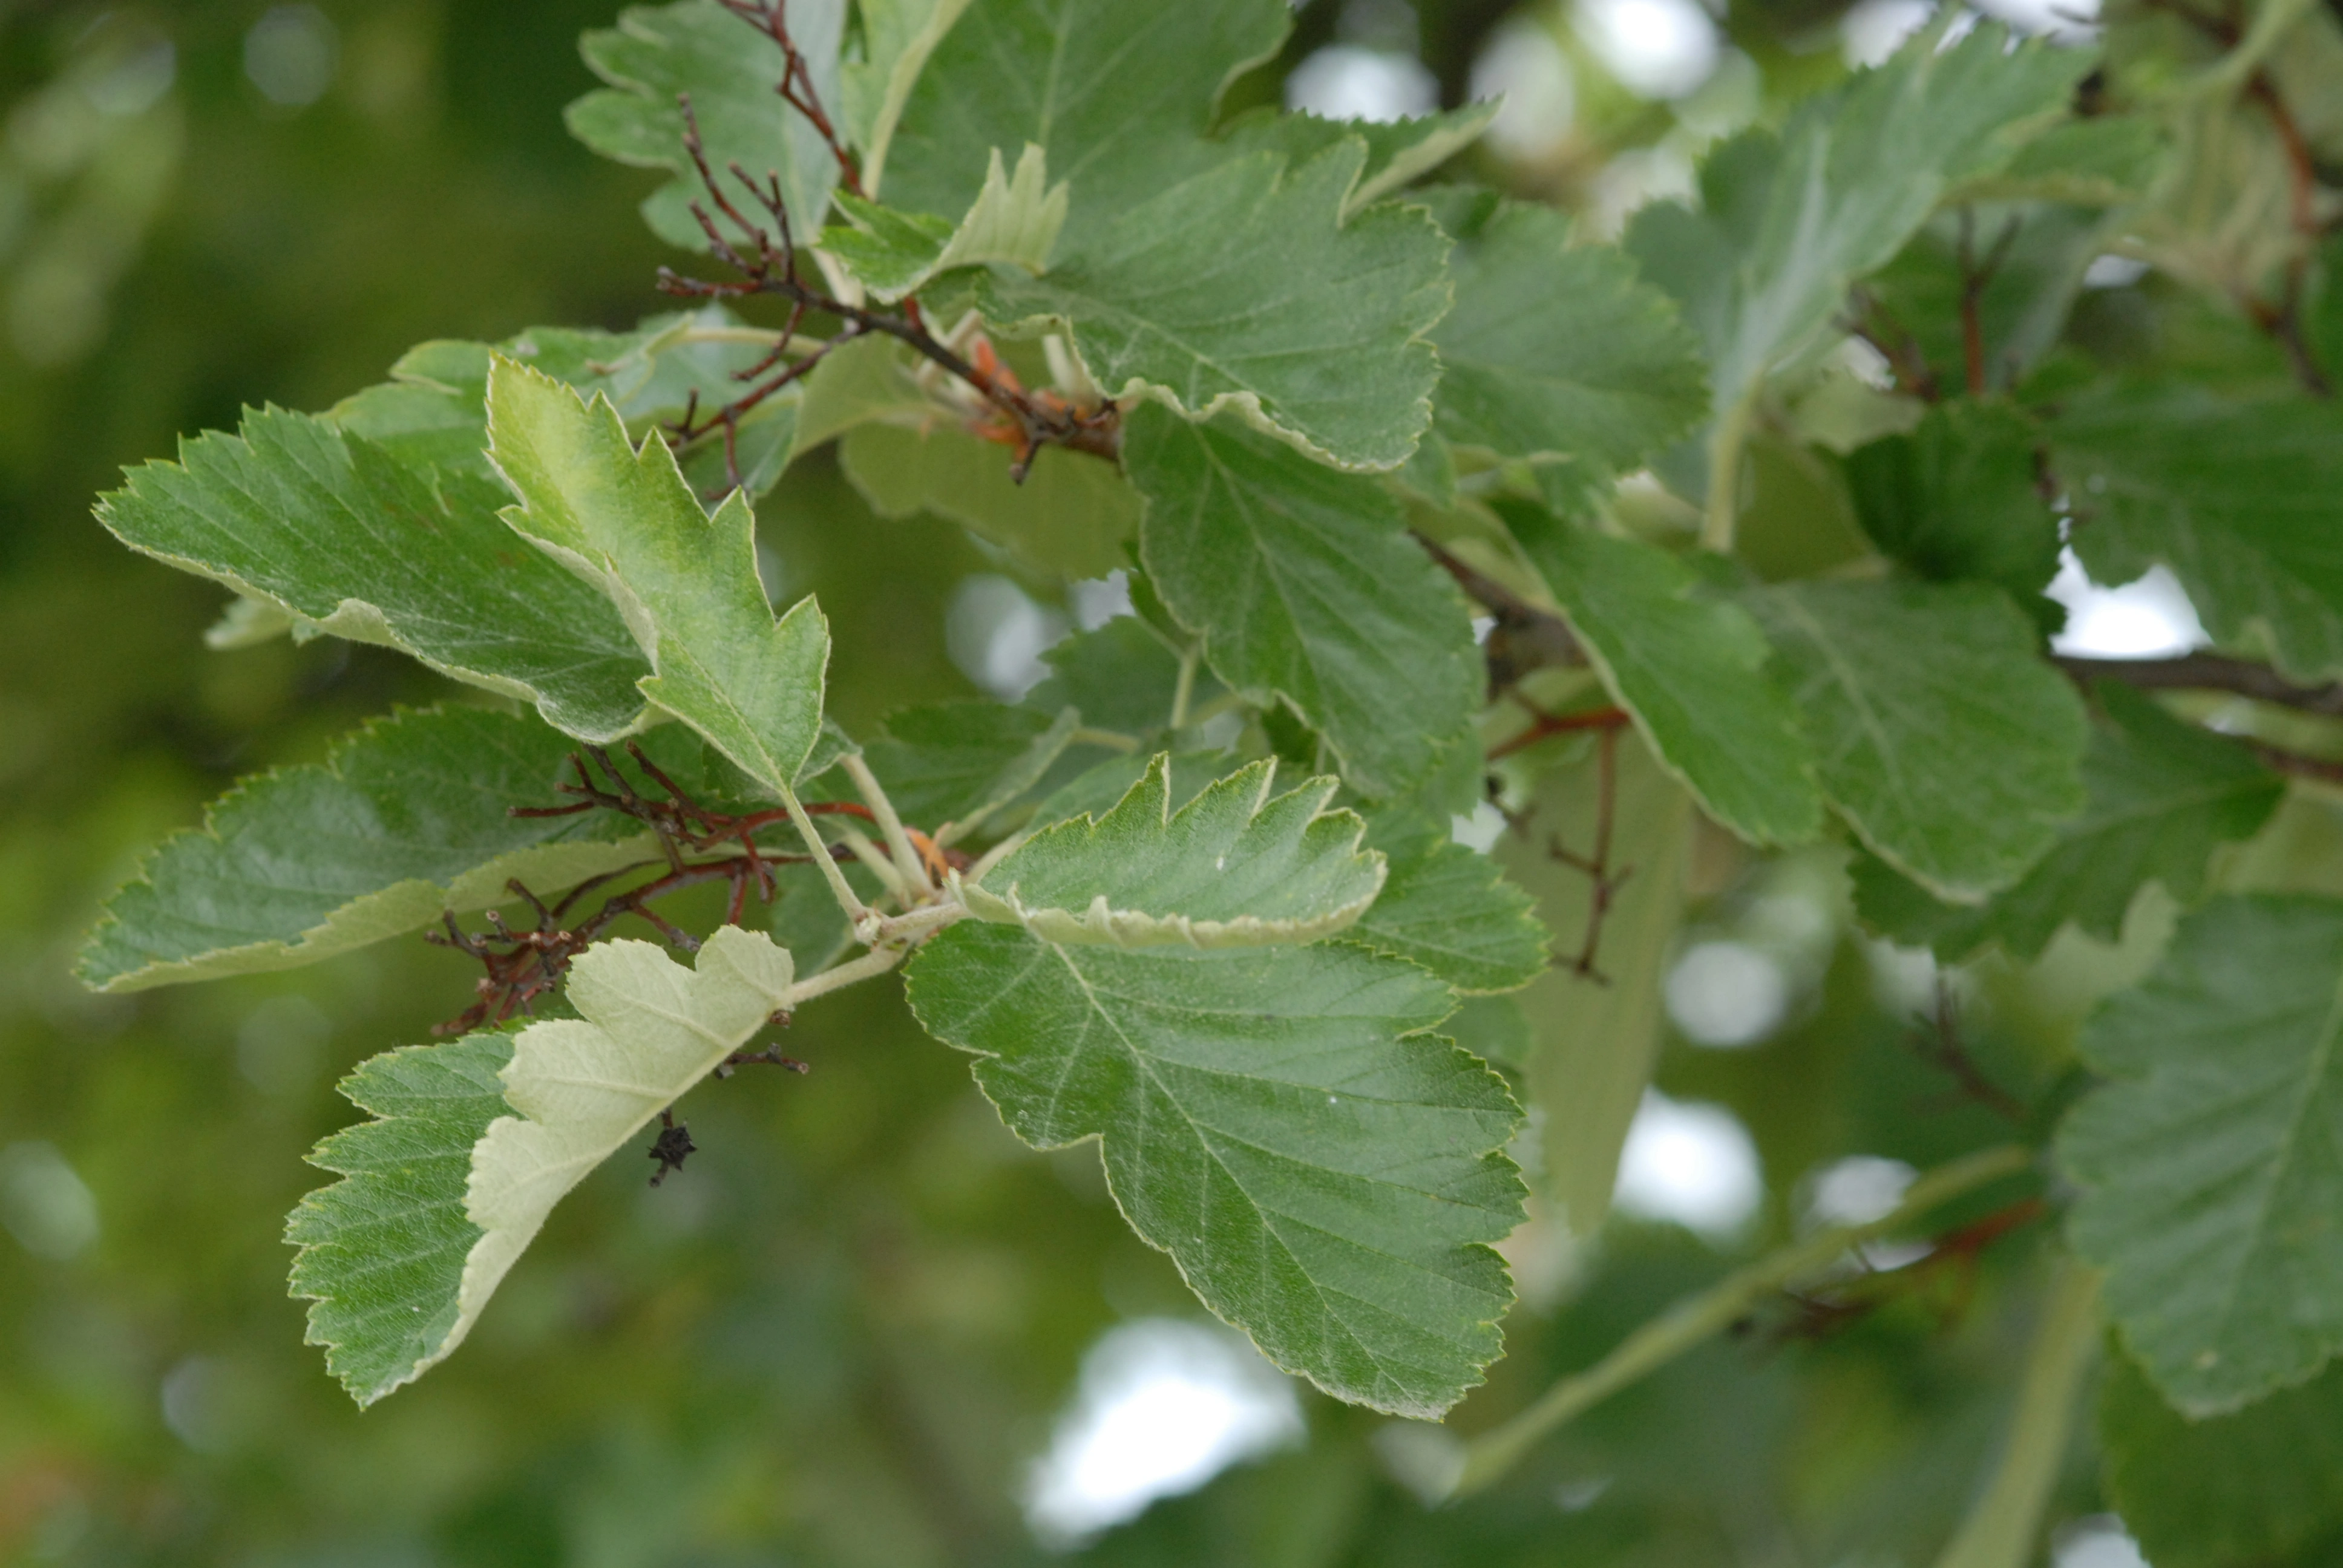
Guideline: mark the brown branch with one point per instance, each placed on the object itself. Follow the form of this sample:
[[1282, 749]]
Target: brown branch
[[1605, 883], [1939, 1044], [2283, 320], [1524, 638], [1976, 278], [2207, 672], [2295, 764], [796, 87]]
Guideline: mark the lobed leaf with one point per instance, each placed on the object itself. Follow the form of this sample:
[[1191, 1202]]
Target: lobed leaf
[[1450, 910], [1234, 867], [1014, 223], [2163, 794], [1789, 221], [383, 1250], [1242, 288], [1959, 500], [334, 530], [898, 38], [1399, 152], [2241, 498], [1304, 585], [963, 761], [1952, 748], [402, 820], [1556, 353], [1117, 96], [730, 69], [624, 519], [1324, 1172], [1692, 670], [446, 1191], [2211, 1188]]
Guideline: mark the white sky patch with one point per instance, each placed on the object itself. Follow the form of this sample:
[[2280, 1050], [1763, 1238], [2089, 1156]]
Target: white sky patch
[[1098, 600], [997, 634], [1164, 1405], [1349, 81], [1874, 29], [2098, 1541], [1692, 1163], [1726, 994], [1858, 1190], [2150, 619], [291, 54], [1656, 48], [1523, 64]]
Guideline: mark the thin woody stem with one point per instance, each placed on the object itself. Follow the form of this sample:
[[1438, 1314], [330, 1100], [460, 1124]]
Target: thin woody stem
[[899, 843]]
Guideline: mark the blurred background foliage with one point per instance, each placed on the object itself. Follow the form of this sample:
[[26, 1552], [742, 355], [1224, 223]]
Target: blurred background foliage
[[852, 1332]]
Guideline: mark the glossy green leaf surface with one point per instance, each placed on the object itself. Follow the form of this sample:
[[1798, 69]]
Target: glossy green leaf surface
[[338, 532], [1691, 670], [625, 519], [2211, 1188], [1305, 586], [1941, 736], [1234, 866], [2163, 796], [1320, 334], [1323, 1171], [1558, 354], [403, 819]]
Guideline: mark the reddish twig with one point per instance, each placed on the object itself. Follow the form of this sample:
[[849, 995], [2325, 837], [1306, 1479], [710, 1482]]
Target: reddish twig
[[1821, 1313], [1939, 1042], [1603, 881], [1976, 278]]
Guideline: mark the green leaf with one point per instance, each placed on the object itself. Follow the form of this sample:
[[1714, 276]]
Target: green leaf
[[1399, 152], [961, 761], [1959, 500], [1015, 222], [2163, 795], [898, 38], [1598, 1040], [1326, 1173], [2021, 309], [403, 1257], [1073, 516], [1118, 95], [1558, 354], [402, 820], [687, 583], [1123, 676], [2105, 160], [858, 383], [730, 69], [2241, 498], [1689, 668], [332, 528], [1947, 743], [1790, 221], [383, 1250], [1242, 288], [1304, 585], [2211, 1188], [2262, 1486], [1234, 867], [1450, 909]]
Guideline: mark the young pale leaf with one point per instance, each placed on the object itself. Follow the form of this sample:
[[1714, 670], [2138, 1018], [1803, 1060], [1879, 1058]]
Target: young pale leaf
[[1598, 1039], [1948, 744], [1450, 910], [647, 1029], [1398, 151], [1558, 354], [2163, 795], [2262, 1486], [1235, 867], [334, 530], [1074, 514], [383, 1250], [1691, 670], [1244, 289], [402, 820], [730, 69], [1326, 1173], [1959, 500], [2212, 1189], [898, 37], [387, 1241], [1790, 222], [625, 519], [1015, 222], [1118, 97], [1304, 585], [2242, 499]]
